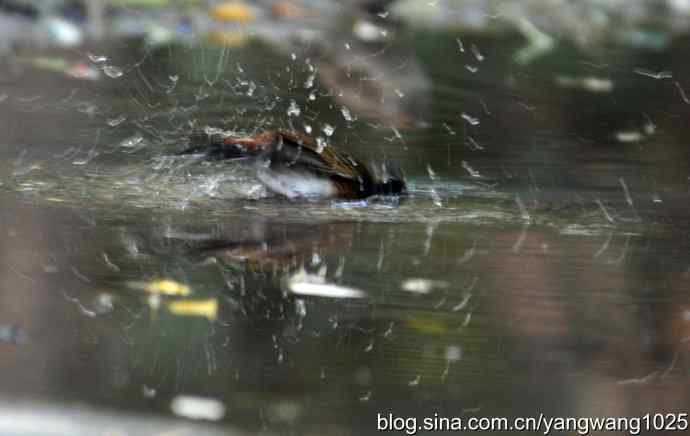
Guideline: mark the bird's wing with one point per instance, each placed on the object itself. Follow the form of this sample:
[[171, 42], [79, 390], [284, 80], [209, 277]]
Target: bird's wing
[[301, 151]]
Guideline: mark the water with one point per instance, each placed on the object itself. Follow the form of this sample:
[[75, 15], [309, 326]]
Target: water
[[540, 263]]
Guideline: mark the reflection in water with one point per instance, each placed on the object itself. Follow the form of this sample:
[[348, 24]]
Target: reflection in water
[[451, 309]]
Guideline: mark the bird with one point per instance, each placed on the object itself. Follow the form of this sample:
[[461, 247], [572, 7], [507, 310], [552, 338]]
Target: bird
[[294, 165]]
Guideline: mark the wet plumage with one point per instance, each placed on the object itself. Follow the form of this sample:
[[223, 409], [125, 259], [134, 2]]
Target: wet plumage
[[294, 165]]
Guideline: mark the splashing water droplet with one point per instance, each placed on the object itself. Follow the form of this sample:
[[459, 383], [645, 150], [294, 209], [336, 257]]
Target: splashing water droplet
[[251, 89], [310, 81], [132, 141], [312, 96], [470, 119], [328, 129], [431, 172], [321, 144], [369, 347], [96, 59], [347, 114], [112, 71], [293, 56], [293, 109], [174, 78], [399, 93], [470, 170], [300, 308], [453, 353], [477, 54], [114, 122], [415, 382], [307, 128], [436, 199]]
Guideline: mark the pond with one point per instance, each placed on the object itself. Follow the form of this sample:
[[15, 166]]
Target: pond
[[539, 264]]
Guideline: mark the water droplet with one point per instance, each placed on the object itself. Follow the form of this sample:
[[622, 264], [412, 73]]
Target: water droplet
[[112, 71], [431, 172], [114, 122], [132, 141], [96, 59], [307, 128], [415, 382], [347, 114], [474, 144], [174, 78], [251, 89], [309, 82], [347, 46], [148, 392], [328, 129], [470, 119], [312, 96], [435, 198], [476, 53], [369, 347], [293, 56], [453, 353], [470, 170], [293, 109], [399, 93], [321, 144], [300, 308], [389, 332]]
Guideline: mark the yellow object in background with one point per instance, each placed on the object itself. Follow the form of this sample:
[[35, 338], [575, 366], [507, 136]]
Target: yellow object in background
[[228, 39], [233, 11], [429, 326], [203, 308], [162, 287]]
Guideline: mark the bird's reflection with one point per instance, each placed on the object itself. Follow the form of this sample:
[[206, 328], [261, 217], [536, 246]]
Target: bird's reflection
[[262, 265], [264, 242]]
